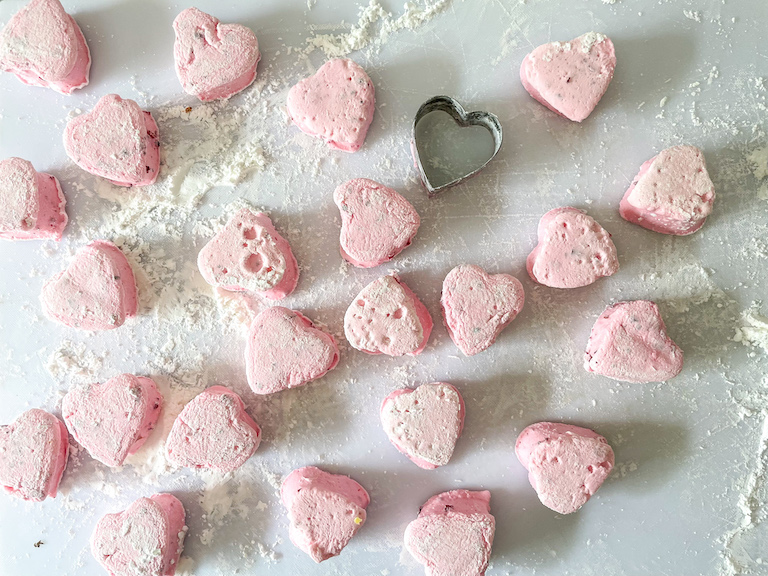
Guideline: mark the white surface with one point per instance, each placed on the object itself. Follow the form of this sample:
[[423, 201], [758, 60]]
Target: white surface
[[688, 493]]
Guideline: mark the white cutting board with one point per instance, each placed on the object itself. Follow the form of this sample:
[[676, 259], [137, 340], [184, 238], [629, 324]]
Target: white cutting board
[[688, 490]]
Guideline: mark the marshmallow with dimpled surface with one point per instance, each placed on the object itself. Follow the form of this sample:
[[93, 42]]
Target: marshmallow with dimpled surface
[[573, 250], [570, 78], [33, 454], [145, 539], [386, 317], [325, 510], [672, 193], [97, 291], [249, 254], [112, 420], [335, 104], [285, 350], [213, 60], [377, 223], [43, 46], [566, 464], [629, 342], [453, 534], [116, 140], [477, 306], [425, 423], [213, 431], [31, 202]]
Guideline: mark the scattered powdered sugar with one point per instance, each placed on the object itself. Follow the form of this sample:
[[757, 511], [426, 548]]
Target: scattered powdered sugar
[[750, 530], [589, 39], [74, 362], [694, 15], [753, 330], [374, 27]]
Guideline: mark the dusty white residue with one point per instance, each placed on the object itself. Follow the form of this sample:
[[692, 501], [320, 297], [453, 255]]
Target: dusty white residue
[[374, 27], [753, 330], [694, 15], [216, 501], [238, 309], [752, 491], [73, 362], [589, 39]]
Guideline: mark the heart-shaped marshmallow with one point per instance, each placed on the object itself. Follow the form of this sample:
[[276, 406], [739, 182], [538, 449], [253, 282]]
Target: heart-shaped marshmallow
[[97, 291], [386, 317], [671, 194], [629, 342], [566, 464], [213, 431], [453, 534], [33, 455], [573, 250], [285, 350], [425, 423], [213, 60], [377, 223], [147, 538], [249, 254], [570, 78], [31, 202], [325, 510], [43, 46], [477, 306], [116, 140], [112, 420], [336, 104]]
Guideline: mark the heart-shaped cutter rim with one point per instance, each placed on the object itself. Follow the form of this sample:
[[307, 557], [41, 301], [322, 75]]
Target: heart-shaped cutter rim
[[487, 120]]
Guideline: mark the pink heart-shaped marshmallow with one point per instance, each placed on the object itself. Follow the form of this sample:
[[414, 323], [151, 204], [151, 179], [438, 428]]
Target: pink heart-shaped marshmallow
[[33, 455], [116, 140], [285, 350], [570, 78], [112, 420], [336, 104], [147, 538], [97, 291], [566, 464], [377, 223], [573, 250], [43, 46], [31, 202], [213, 60], [672, 193], [213, 431], [249, 254], [386, 317], [453, 534], [629, 342], [425, 423], [325, 510], [477, 306]]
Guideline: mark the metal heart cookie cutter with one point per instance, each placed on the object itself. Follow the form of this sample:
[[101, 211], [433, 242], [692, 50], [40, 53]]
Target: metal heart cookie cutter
[[463, 118]]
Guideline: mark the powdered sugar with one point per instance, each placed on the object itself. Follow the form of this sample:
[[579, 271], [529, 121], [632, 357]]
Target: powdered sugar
[[753, 331], [589, 39], [374, 27]]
